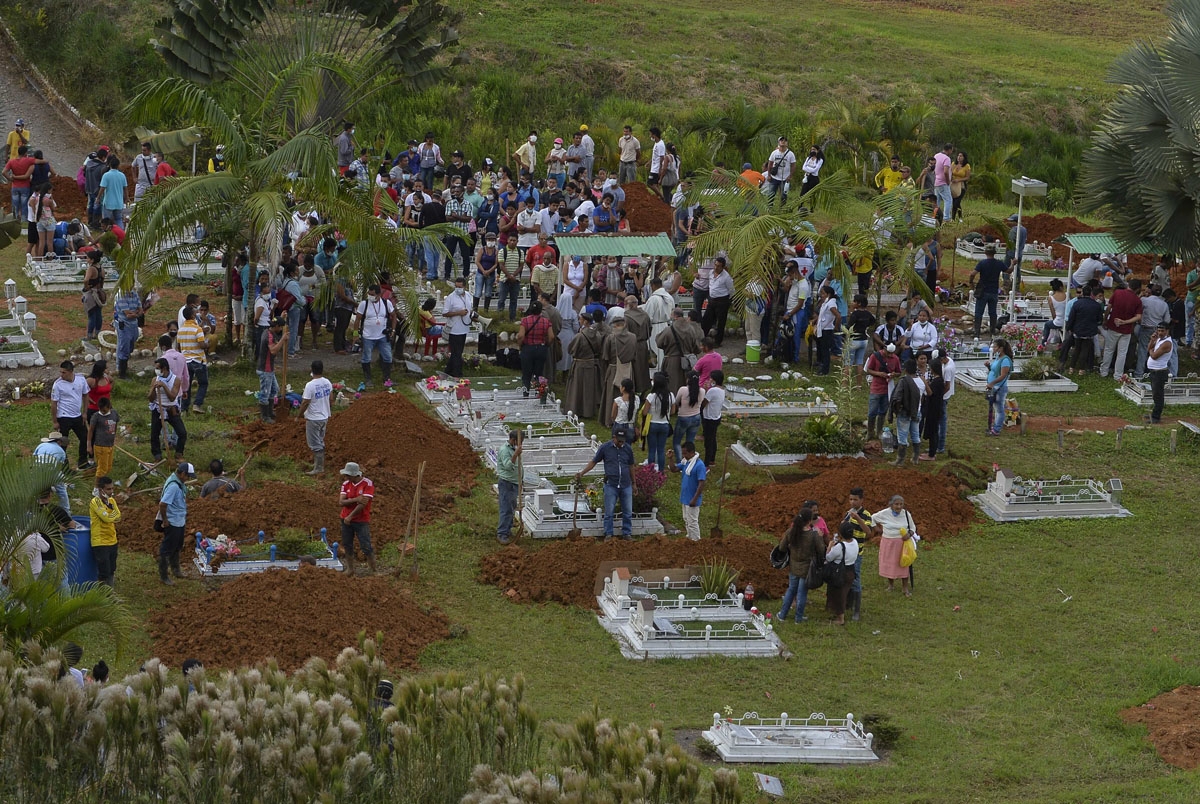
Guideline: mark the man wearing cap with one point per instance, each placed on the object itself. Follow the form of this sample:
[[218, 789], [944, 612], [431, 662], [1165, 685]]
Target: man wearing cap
[[1158, 365], [355, 497], [17, 137], [617, 457], [93, 171], [458, 169], [508, 477], [883, 368], [145, 168], [987, 293], [51, 451], [589, 151], [779, 170], [629, 149], [66, 407], [1016, 237], [171, 521], [526, 155], [556, 163]]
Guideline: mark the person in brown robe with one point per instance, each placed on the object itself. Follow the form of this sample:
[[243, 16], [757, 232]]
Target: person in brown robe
[[556, 325], [677, 340], [583, 382], [637, 321], [620, 348]]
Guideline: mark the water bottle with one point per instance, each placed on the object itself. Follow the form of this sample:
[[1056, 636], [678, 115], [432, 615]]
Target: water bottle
[[887, 440]]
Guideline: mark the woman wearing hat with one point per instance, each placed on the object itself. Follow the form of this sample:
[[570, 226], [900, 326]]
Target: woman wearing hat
[[556, 163]]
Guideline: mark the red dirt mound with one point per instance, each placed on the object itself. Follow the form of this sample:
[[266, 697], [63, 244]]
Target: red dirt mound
[[1046, 228], [1050, 424], [647, 212], [932, 497], [1173, 719], [71, 202], [291, 616], [388, 436], [565, 571], [272, 506]]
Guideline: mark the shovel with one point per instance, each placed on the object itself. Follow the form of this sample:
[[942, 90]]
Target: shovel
[[575, 532], [416, 570], [716, 532], [250, 454]]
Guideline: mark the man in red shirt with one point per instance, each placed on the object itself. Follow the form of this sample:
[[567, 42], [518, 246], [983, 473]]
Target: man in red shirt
[[356, 496], [164, 169], [533, 257], [883, 367], [18, 171], [1124, 310]]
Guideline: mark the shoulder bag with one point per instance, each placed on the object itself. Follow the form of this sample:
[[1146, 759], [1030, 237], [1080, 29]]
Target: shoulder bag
[[686, 360], [834, 572]]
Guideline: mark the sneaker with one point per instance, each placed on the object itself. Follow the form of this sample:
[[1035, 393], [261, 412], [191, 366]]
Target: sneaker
[[504, 539], [199, 411]]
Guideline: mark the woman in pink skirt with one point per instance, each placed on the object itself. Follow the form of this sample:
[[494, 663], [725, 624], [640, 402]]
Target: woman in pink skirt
[[894, 524]]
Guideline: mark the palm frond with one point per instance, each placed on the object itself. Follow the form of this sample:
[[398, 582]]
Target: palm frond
[[42, 611], [22, 480]]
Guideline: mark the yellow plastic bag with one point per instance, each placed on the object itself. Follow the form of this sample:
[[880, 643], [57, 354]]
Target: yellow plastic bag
[[908, 553]]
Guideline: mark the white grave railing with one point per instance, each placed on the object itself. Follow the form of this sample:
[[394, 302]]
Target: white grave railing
[[1011, 499], [816, 739], [1178, 391]]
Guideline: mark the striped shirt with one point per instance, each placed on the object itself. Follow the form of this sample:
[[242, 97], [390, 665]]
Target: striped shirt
[[190, 340], [456, 207], [127, 302]]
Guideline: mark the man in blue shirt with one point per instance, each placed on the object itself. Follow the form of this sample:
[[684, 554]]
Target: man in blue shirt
[[172, 520], [987, 294], [618, 460], [691, 488]]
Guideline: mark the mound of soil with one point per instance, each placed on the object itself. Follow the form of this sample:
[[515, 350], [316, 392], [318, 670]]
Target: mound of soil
[[565, 571], [647, 212], [71, 202], [272, 506], [1173, 719], [290, 616], [1046, 228], [933, 497], [1050, 424], [385, 434]]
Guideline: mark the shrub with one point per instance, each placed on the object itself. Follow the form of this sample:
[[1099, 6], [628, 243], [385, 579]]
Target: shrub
[[716, 577], [646, 483]]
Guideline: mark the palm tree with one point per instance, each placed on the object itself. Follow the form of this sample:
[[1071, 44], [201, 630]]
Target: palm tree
[[1140, 171], [904, 132], [39, 609], [990, 176], [857, 129], [739, 126]]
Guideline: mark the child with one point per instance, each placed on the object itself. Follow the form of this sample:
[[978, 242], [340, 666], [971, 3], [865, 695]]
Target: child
[[710, 414], [625, 406], [429, 326], [818, 521], [102, 436]]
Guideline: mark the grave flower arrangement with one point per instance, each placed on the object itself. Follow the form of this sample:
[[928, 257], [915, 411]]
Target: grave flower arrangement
[[543, 389], [1024, 338], [646, 483]]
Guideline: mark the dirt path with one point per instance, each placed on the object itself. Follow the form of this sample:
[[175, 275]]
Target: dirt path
[[55, 131]]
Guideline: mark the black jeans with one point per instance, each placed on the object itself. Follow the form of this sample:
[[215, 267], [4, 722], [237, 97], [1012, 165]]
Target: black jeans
[[341, 320], [156, 427], [74, 424], [1158, 390], [709, 427], [455, 244], [824, 351], [454, 366], [715, 317], [105, 557], [533, 363], [1085, 354]]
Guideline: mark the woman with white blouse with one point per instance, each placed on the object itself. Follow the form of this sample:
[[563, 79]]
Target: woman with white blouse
[[922, 336], [829, 323], [894, 524], [812, 168]]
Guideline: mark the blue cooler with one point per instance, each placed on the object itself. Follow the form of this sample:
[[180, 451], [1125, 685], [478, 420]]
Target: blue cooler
[[81, 568]]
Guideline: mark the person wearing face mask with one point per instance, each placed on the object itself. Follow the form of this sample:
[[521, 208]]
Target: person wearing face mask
[[314, 409], [526, 155], [457, 312], [376, 319], [264, 304], [604, 217], [812, 169], [104, 514], [166, 394]]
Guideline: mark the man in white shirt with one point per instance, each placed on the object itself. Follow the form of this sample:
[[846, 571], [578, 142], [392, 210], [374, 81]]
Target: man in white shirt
[[720, 297], [628, 150], [377, 318], [779, 169], [549, 218], [66, 408], [145, 167], [526, 155], [529, 224], [589, 150], [1089, 268], [948, 372], [657, 153], [314, 408], [457, 312]]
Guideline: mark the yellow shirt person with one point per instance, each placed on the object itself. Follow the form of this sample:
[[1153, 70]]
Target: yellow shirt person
[[889, 178]]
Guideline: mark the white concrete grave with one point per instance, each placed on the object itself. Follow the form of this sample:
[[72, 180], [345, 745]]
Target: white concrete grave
[[236, 567], [552, 461], [675, 592], [749, 402], [459, 413], [1179, 391], [751, 458], [976, 380], [546, 514], [647, 634], [493, 433], [815, 739], [1014, 499]]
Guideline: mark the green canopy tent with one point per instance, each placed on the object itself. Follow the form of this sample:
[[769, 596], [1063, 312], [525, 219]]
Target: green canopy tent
[[615, 245], [1100, 243]]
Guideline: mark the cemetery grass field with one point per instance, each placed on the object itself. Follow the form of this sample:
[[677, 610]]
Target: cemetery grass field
[[1013, 697]]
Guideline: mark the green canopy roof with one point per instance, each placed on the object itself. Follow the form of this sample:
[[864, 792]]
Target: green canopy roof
[[1104, 243], [615, 245]]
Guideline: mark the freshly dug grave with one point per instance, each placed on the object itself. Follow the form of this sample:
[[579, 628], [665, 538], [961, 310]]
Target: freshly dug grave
[[565, 571], [292, 616], [647, 212], [71, 202], [271, 506], [385, 434], [1046, 228], [933, 497], [1173, 719], [1050, 424]]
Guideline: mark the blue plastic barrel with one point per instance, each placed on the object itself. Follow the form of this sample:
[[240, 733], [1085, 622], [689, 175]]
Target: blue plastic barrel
[[81, 568]]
